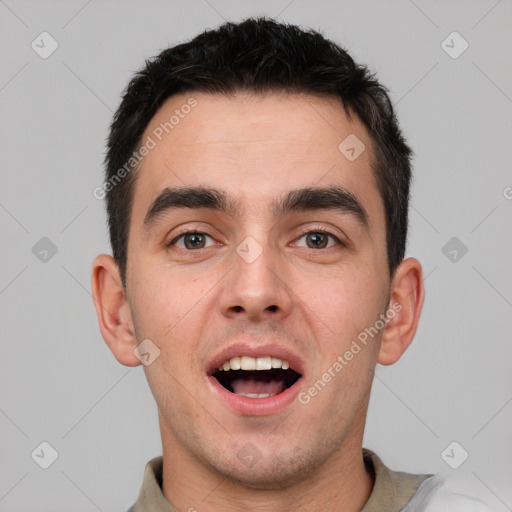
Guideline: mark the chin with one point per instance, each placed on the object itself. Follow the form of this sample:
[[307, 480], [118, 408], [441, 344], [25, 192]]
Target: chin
[[267, 477], [272, 472]]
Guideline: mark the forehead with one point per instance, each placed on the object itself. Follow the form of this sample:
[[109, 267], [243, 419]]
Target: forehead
[[254, 145]]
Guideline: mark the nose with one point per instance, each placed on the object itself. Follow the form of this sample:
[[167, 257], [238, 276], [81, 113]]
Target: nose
[[256, 289]]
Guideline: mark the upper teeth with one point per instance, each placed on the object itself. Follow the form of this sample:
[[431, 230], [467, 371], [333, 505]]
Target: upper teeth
[[254, 363]]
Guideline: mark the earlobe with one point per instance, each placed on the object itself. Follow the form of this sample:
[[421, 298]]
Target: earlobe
[[112, 309], [403, 314]]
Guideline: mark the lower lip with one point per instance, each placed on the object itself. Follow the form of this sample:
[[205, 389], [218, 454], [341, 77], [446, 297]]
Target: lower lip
[[255, 406]]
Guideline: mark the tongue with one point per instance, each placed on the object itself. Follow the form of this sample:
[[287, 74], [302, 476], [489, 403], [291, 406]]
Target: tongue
[[249, 385]]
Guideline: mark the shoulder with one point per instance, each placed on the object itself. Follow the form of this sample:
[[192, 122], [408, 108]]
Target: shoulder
[[435, 495]]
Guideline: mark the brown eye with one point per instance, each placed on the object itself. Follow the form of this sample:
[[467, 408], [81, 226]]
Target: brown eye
[[191, 240], [318, 239]]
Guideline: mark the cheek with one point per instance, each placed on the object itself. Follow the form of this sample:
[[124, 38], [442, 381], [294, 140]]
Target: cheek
[[167, 311], [172, 311], [162, 301], [345, 330], [347, 301], [350, 342]]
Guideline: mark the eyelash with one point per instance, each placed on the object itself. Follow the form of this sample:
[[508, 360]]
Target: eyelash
[[309, 231]]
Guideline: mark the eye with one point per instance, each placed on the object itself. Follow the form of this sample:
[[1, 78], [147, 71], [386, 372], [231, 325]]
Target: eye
[[192, 240], [319, 239]]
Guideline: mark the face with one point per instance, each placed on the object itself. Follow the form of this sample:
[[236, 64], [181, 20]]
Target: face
[[263, 279]]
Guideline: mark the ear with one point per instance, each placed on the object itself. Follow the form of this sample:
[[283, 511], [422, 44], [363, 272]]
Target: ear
[[406, 300], [113, 311]]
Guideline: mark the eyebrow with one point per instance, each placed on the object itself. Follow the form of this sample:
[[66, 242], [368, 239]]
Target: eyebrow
[[334, 198]]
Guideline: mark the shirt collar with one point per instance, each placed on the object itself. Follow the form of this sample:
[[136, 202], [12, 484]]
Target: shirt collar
[[392, 490]]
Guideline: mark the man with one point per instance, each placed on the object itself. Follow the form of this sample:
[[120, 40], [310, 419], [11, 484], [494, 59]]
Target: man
[[257, 189]]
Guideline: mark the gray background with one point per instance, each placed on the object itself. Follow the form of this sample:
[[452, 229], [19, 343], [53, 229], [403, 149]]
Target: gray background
[[59, 381]]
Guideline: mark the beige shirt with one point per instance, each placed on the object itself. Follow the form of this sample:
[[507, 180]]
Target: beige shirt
[[392, 490]]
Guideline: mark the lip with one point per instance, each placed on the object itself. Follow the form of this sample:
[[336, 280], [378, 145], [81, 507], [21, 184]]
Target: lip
[[255, 406]]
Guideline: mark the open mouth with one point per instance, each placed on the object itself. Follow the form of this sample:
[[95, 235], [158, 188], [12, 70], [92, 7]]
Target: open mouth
[[256, 377]]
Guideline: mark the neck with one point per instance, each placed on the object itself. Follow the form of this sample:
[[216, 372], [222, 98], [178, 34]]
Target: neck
[[343, 483]]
